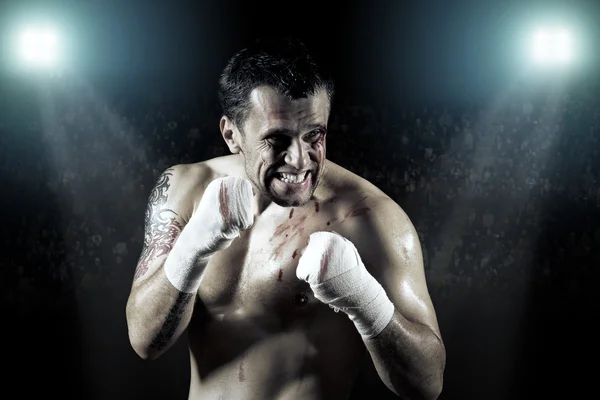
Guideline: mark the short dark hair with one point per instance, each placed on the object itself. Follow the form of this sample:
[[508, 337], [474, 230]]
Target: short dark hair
[[282, 63]]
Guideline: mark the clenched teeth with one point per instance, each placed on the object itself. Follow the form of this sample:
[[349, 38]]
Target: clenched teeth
[[292, 178]]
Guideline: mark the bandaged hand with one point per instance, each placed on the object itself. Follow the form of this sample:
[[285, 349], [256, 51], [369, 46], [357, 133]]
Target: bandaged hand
[[337, 276], [225, 210]]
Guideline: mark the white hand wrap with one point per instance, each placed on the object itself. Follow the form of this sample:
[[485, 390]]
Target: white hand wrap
[[333, 268], [224, 211]]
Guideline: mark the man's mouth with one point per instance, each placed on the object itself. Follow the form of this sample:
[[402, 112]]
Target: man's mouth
[[296, 179]]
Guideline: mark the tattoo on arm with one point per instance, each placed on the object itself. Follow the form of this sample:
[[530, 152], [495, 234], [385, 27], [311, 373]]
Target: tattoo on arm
[[172, 321], [161, 226]]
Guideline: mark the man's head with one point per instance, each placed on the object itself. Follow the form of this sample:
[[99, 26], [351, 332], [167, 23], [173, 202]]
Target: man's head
[[276, 102]]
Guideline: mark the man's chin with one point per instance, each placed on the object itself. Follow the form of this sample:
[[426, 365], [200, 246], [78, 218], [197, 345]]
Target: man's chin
[[291, 199], [289, 202]]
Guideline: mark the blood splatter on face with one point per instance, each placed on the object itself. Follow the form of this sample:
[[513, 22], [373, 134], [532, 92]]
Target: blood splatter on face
[[284, 135]]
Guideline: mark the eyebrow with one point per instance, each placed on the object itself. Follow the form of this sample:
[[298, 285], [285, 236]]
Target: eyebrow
[[310, 127]]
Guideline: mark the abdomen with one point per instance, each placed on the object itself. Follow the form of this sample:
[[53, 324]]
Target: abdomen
[[237, 356]]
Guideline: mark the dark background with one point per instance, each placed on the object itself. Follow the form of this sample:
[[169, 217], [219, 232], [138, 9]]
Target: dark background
[[496, 163]]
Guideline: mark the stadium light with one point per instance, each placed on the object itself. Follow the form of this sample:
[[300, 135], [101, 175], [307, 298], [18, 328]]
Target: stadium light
[[552, 47], [39, 47]]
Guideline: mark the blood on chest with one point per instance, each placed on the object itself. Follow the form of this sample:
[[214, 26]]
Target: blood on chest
[[257, 273]]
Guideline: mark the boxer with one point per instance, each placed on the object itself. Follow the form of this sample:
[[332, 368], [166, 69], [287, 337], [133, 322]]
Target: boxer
[[284, 268]]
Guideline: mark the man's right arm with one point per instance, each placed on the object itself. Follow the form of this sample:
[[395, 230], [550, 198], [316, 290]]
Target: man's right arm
[[157, 312]]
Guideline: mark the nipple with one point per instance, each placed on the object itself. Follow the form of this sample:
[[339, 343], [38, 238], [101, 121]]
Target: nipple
[[300, 299]]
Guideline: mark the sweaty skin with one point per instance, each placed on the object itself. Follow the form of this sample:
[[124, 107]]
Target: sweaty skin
[[255, 330], [268, 337]]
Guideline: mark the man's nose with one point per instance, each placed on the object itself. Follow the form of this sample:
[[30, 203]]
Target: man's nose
[[297, 155]]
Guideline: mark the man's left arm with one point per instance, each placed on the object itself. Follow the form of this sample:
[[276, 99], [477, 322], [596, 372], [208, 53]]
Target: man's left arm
[[408, 354]]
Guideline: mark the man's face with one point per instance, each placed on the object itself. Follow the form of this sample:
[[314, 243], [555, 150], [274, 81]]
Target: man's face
[[284, 144]]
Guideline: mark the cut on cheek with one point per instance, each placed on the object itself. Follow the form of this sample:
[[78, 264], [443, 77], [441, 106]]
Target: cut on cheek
[[320, 160], [321, 150]]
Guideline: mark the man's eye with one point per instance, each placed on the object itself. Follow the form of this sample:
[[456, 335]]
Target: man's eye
[[276, 139], [315, 134]]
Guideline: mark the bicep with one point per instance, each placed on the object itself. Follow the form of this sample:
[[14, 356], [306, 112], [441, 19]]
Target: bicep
[[163, 222], [405, 282], [393, 255]]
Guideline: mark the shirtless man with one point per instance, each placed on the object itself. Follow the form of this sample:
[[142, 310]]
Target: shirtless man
[[283, 267]]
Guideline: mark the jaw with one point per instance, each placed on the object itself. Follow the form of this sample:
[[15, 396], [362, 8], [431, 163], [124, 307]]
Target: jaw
[[287, 194]]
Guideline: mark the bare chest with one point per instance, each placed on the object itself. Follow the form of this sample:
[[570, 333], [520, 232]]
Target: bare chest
[[256, 275]]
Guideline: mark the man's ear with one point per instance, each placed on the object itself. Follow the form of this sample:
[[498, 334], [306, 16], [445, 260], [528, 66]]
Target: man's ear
[[230, 134]]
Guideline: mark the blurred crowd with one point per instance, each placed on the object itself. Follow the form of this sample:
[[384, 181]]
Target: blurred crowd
[[501, 194]]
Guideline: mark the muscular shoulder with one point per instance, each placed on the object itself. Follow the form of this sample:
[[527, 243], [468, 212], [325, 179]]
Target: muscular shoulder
[[187, 182], [347, 188], [360, 204], [185, 185]]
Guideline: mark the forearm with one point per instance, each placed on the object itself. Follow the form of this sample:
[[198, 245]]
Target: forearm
[[157, 314], [409, 358], [159, 308]]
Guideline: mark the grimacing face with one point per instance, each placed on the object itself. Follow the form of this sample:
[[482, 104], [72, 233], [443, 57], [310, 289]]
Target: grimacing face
[[283, 144]]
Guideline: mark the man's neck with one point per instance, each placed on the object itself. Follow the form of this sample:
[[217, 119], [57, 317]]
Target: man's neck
[[261, 202]]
